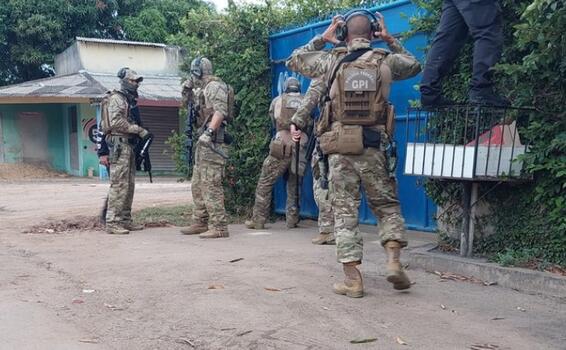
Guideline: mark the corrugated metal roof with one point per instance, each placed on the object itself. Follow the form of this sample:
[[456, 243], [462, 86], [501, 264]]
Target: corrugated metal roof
[[119, 42], [91, 86]]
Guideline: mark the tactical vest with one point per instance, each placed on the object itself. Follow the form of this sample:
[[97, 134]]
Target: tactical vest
[[285, 109], [206, 112], [105, 127], [356, 93], [358, 108]]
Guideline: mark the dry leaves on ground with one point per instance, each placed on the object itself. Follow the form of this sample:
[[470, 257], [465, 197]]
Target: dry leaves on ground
[[243, 333], [449, 276], [113, 307], [89, 341], [363, 341], [185, 341], [484, 347]]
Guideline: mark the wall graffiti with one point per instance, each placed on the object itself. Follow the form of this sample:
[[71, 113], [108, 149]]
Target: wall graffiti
[[90, 129]]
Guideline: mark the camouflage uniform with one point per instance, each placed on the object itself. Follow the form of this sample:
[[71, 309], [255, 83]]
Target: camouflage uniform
[[301, 118], [348, 172], [122, 160], [208, 171], [274, 167], [322, 199]]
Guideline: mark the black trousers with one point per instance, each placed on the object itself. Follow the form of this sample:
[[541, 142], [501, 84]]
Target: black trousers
[[482, 20]]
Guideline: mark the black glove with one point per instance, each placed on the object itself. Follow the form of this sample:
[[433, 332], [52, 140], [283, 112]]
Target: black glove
[[147, 137]]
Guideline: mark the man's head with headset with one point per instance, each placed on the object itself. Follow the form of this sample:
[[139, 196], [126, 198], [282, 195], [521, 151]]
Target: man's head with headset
[[357, 24]]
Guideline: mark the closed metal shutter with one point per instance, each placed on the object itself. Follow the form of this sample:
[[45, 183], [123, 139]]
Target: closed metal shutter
[[161, 122]]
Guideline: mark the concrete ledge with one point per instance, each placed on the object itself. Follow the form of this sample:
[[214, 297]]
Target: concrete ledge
[[523, 280]]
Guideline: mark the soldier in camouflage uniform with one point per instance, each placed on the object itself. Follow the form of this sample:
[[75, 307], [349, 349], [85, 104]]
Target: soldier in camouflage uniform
[[213, 100], [355, 136], [313, 98], [281, 158], [121, 141]]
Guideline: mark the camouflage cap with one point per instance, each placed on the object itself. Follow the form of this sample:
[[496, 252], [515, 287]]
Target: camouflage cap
[[129, 74]]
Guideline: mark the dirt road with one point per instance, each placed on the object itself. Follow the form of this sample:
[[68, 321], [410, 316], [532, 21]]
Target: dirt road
[[157, 289]]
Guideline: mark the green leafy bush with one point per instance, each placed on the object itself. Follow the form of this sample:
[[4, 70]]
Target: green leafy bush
[[532, 72]]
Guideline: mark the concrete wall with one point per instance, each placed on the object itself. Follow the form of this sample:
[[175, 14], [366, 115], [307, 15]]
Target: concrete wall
[[15, 131], [109, 57], [51, 143]]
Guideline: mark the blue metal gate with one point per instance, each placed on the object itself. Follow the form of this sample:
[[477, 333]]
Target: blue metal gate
[[417, 208]]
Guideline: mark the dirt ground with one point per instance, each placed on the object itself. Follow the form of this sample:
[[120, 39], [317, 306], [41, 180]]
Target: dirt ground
[[271, 289]]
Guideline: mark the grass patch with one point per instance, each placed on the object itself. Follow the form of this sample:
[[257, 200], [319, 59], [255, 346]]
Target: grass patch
[[518, 258], [179, 215]]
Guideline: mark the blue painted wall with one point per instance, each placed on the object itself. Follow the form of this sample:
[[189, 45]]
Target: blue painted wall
[[417, 208]]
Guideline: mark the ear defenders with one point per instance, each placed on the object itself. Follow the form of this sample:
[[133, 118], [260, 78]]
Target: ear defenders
[[342, 31], [196, 68], [122, 72]]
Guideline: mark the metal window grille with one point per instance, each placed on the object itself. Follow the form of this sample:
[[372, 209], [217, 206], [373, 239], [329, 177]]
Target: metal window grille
[[467, 142]]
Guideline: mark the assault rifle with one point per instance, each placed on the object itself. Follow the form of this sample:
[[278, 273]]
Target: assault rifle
[[142, 155], [191, 119], [105, 206]]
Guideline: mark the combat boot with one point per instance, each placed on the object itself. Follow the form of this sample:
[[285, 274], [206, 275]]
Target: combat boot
[[133, 227], [291, 221], [324, 238], [352, 286], [195, 229], [254, 225], [116, 230], [215, 233], [395, 273]]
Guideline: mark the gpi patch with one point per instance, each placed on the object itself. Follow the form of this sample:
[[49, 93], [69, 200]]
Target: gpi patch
[[360, 80]]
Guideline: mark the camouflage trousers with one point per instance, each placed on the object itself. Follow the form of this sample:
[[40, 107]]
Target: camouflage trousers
[[369, 170], [207, 186], [322, 199], [122, 182], [272, 169]]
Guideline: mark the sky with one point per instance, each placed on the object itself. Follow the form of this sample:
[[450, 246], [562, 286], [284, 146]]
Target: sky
[[221, 4]]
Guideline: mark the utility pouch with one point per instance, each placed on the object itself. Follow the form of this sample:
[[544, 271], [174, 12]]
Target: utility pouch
[[372, 138], [328, 142], [116, 152], [323, 123], [390, 122], [343, 139], [350, 140], [282, 146], [219, 135]]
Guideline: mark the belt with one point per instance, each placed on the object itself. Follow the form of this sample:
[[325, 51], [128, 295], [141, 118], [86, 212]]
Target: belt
[[123, 138]]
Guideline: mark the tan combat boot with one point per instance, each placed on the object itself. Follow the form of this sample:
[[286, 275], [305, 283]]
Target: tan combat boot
[[324, 238], [395, 273], [133, 227], [194, 229], [254, 225], [292, 222], [114, 229], [215, 233], [352, 286]]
